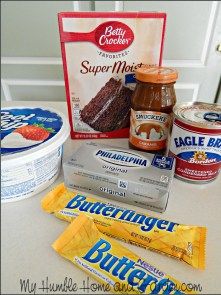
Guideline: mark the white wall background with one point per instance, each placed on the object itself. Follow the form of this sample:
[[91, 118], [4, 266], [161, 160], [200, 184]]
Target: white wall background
[[31, 63]]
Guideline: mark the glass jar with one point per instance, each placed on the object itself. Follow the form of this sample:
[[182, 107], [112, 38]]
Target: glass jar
[[151, 108]]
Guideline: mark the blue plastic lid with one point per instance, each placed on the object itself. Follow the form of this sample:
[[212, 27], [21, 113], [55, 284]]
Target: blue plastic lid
[[26, 131]]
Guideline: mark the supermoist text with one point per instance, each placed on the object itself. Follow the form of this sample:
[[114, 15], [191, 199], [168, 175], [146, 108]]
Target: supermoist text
[[117, 67]]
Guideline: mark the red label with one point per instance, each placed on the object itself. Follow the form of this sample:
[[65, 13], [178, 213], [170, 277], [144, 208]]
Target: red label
[[195, 172], [113, 36]]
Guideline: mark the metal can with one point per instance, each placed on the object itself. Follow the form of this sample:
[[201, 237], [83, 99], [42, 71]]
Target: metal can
[[196, 141]]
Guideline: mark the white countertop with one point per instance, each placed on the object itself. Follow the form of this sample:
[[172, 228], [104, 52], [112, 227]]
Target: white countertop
[[28, 232]]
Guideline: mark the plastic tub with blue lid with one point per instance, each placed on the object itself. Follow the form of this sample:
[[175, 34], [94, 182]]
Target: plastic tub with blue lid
[[31, 150]]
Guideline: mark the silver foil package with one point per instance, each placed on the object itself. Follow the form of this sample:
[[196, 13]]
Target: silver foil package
[[121, 174]]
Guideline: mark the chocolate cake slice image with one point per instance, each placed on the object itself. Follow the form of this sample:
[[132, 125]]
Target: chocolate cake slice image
[[110, 109]]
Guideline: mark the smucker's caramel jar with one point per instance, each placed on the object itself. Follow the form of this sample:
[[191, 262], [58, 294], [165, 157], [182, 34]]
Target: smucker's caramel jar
[[151, 108]]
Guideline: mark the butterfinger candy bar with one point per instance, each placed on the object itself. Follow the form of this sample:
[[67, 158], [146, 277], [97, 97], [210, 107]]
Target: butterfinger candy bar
[[186, 243], [114, 266]]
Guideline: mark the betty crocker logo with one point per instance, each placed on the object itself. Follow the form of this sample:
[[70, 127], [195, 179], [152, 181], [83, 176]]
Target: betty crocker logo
[[113, 36]]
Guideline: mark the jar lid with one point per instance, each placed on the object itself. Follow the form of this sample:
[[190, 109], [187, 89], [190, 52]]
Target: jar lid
[[156, 74]]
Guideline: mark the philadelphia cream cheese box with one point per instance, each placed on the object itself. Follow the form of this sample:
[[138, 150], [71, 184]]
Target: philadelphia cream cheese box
[[124, 175]]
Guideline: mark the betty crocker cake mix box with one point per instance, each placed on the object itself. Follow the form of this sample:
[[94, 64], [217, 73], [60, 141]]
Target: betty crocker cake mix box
[[100, 51]]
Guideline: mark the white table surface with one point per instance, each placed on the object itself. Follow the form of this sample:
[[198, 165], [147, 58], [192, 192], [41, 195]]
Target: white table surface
[[28, 232]]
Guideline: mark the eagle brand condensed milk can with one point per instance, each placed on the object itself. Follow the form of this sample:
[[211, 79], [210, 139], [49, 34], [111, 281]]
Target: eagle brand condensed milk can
[[196, 141]]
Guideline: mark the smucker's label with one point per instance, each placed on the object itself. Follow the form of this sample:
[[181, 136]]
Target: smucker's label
[[198, 155], [149, 130]]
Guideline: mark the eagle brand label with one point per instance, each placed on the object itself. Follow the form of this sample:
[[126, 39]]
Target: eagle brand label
[[197, 152]]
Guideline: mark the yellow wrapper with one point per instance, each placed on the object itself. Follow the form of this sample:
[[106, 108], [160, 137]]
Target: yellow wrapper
[[184, 242], [114, 266]]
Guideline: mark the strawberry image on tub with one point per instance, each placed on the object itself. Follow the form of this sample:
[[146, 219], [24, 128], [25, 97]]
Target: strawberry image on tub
[[26, 136], [196, 141]]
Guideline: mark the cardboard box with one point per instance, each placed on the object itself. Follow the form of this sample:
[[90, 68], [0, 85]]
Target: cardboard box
[[128, 176], [100, 51]]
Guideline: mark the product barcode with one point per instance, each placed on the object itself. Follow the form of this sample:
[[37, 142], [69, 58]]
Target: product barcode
[[122, 184], [164, 178]]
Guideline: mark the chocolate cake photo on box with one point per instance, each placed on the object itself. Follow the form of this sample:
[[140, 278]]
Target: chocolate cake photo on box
[[110, 109]]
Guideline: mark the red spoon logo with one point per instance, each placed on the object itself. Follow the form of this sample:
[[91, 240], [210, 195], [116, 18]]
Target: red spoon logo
[[111, 36]]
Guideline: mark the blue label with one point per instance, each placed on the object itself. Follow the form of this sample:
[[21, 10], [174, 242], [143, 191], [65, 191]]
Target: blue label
[[130, 78], [212, 117], [200, 157], [23, 129], [128, 270], [162, 162], [145, 222], [122, 158]]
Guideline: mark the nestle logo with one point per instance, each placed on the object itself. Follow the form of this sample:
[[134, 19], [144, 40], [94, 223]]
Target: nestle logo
[[113, 36]]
